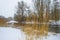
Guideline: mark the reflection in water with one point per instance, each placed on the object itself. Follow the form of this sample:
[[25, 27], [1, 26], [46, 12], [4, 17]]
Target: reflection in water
[[33, 32]]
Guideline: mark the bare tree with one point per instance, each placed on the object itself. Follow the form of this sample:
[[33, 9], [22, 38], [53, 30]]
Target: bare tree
[[22, 9]]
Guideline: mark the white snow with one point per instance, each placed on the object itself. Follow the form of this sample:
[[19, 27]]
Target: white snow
[[8, 33], [12, 21], [52, 36], [54, 23]]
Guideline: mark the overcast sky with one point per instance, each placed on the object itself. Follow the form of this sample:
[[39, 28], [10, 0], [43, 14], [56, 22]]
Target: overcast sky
[[7, 7]]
